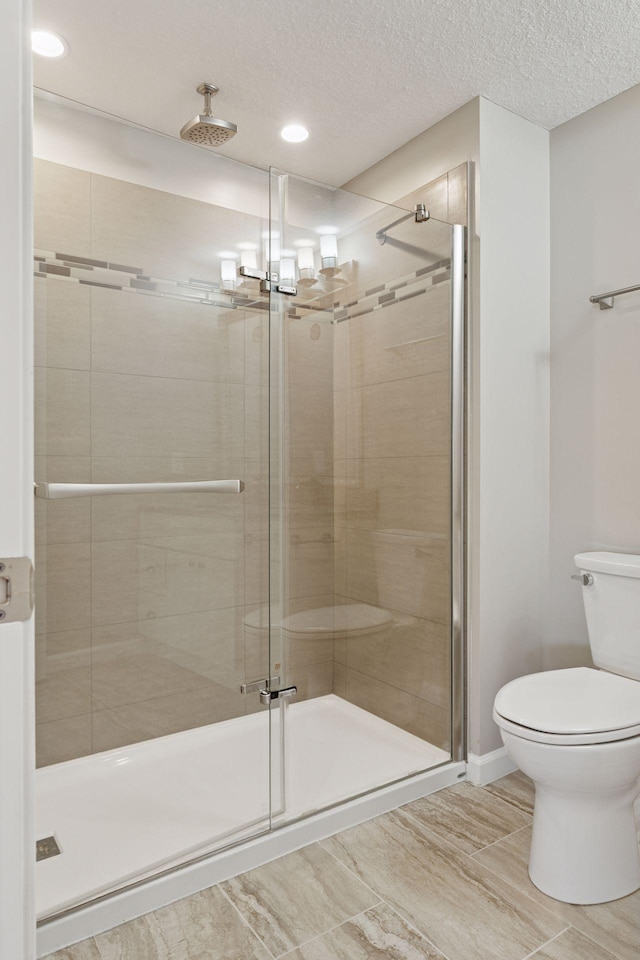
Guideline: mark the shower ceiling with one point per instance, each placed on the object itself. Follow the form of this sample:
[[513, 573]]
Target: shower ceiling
[[363, 75]]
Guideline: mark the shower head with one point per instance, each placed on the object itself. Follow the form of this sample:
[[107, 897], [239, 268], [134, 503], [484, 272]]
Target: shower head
[[206, 129]]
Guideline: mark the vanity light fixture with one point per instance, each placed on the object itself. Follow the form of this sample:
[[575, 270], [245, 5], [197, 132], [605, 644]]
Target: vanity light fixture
[[228, 274]]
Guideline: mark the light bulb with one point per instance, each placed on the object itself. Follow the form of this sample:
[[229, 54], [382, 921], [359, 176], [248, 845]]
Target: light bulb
[[249, 259], [306, 266], [272, 251], [329, 250], [228, 274], [305, 258], [287, 271]]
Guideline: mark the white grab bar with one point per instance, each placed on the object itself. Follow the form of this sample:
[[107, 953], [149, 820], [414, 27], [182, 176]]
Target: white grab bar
[[60, 491]]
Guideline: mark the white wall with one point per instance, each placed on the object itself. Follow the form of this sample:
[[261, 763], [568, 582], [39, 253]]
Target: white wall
[[509, 456], [595, 355], [17, 923], [509, 382]]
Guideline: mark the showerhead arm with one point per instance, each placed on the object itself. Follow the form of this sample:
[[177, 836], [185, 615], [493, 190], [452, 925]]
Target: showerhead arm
[[207, 90]]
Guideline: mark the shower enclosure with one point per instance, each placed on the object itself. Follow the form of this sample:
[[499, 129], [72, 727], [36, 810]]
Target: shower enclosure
[[249, 403]]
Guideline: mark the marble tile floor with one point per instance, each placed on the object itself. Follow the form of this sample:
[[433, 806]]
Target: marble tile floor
[[442, 878]]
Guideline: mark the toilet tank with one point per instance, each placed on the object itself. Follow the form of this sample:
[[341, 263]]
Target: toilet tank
[[612, 606]]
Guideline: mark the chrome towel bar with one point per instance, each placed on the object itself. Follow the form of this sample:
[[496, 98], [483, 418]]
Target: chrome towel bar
[[60, 491], [605, 300]]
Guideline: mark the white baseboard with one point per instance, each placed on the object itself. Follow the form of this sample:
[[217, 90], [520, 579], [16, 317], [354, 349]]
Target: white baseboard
[[489, 766], [104, 914]]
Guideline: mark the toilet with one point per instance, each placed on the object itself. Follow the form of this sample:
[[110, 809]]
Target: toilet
[[576, 733], [315, 623]]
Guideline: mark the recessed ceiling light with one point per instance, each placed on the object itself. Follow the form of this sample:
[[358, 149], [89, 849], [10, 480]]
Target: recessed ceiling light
[[227, 254], [294, 133], [247, 246], [48, 44], [327, 229]]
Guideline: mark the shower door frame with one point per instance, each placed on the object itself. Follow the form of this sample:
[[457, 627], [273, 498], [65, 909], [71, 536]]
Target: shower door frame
[[17, 708], [459, 301], [458, 307]]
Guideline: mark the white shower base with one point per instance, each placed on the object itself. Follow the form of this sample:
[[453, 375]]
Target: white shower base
[[124, 814]]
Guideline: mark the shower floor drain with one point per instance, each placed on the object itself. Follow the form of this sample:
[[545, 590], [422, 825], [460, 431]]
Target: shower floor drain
[[47, 847]]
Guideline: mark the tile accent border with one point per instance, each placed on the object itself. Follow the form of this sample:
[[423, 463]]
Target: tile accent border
[[116, 276], [50, 264]]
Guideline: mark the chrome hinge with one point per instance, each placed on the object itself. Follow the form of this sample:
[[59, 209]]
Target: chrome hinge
[[266, 696], [268, 281], [16, 589]]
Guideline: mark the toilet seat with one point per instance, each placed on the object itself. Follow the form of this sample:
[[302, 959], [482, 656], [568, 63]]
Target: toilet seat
[[570, 707], [318, 623]]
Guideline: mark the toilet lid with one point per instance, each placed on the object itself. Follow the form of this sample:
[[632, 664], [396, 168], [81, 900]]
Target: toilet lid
[[575, 701]]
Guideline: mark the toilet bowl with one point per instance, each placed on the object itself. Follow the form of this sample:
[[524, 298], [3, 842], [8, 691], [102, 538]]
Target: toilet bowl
[[576, 733], [584, 847]]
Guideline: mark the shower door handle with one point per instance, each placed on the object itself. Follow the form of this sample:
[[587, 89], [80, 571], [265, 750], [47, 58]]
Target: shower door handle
[[60, 491], [266, 696]]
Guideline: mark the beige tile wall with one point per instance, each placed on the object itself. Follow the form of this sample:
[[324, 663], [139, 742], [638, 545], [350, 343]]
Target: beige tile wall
[[141, 600], [308, 504], [392, 503]]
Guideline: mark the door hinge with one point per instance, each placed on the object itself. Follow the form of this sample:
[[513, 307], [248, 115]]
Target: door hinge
[[16, 589], [266, 696], [268, 281]]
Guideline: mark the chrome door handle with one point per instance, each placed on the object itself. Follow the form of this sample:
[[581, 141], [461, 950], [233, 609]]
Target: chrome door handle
[[254, 685], [59, 491], [585, 579]]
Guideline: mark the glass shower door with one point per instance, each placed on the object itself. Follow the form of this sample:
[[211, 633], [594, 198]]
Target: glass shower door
[[152, 463], [366, 321]]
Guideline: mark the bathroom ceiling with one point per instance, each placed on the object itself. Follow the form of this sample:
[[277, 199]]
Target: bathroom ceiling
[[364, 76]]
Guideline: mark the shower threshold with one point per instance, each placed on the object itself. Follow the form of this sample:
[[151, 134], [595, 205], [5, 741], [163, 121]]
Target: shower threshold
[[125, 814]]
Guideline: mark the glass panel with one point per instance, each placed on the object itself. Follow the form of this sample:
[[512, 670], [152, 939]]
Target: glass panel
[[152, 365], [362, 627]]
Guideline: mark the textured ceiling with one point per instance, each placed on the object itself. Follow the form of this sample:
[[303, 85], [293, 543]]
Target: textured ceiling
[[364, 75]]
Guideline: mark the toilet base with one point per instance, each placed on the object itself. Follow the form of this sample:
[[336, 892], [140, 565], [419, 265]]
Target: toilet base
[[584, 849]]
